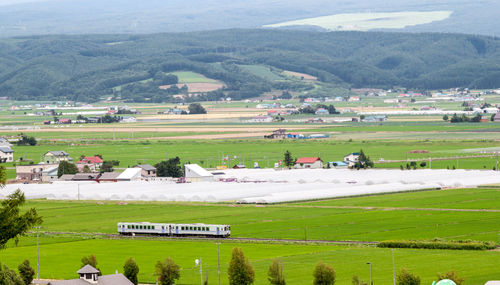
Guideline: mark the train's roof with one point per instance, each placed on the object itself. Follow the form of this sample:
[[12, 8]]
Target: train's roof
[[149, 223]]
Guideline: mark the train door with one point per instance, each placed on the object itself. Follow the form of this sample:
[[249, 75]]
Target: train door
[[162, 230], [169, 230], [176, 230], [218, 231]]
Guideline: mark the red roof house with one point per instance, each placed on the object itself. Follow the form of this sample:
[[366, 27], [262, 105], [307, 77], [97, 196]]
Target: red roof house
[[309, 162], [93, 162]]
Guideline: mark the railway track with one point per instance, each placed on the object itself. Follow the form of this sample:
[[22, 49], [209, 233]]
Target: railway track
[[156, 237]]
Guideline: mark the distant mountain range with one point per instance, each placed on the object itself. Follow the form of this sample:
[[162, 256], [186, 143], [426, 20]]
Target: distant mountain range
[[132, 67], [41, 17]]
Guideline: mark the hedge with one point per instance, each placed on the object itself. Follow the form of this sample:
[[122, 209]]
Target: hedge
[[438, 244]]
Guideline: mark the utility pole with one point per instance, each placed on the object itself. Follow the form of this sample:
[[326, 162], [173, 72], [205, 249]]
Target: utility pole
[[371, 275], [37, 255], [218, 261], [393, 268]]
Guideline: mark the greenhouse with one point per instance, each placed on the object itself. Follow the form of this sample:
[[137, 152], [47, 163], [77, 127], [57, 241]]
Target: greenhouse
[[263, 185]]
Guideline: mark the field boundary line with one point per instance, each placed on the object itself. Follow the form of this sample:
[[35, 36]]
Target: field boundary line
[[394, 208]]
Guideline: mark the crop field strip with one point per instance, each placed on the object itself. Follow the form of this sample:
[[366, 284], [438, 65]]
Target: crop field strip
[[322, 220]]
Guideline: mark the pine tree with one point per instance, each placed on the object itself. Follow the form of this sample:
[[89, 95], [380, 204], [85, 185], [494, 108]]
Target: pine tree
[[26, 272], [288, 160]]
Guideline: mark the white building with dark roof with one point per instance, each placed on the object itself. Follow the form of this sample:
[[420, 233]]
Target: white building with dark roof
[[56, 156], [6, 154], [90, 275]]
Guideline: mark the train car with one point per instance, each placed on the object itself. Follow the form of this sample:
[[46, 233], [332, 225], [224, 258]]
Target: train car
[[174, 229]]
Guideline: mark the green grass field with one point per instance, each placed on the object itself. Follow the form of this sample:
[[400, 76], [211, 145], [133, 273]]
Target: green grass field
[[370, 218], [266, 152], [445, 199], [315, 220], [61, 259]]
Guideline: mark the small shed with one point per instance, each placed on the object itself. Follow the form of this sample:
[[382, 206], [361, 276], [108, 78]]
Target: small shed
[[196, 173]]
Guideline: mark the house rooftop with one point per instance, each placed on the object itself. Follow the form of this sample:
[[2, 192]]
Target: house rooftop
[[91, 159], [146, 166], [58, 152], [6, 149], [307, 160], [87, 269]]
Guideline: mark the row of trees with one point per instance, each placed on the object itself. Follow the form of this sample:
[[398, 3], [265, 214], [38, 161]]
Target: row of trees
[[462, 119], [241, 272]]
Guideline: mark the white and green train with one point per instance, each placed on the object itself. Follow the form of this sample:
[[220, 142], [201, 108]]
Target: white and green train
[[174, 229]]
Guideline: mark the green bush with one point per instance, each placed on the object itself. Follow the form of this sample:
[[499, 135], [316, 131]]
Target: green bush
[[438, 244]]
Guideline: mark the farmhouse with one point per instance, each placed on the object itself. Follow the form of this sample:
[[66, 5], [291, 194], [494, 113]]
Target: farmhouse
[[90, 275], [308, 162], [92, 162], [32, 172], [147, 170], [322, 111], [56, 156], [351, 158], [6, 154], [64, 121], [196, 173], [277, 134]]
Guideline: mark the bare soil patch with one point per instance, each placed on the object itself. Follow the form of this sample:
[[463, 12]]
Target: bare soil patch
[[301, 75]]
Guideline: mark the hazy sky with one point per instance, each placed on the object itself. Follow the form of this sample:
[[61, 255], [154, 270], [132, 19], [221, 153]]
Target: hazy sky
[[13, 2]]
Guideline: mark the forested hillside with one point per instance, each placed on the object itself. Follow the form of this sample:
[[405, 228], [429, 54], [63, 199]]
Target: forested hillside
[[90, 67]]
